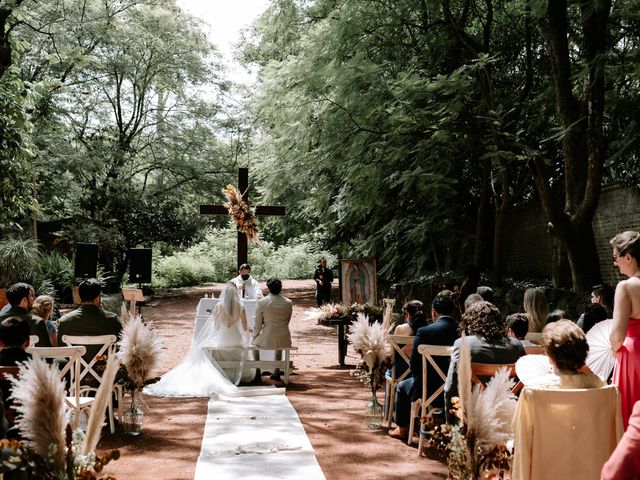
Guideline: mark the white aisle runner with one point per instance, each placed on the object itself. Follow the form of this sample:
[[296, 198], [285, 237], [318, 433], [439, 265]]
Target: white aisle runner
[[255, 437]]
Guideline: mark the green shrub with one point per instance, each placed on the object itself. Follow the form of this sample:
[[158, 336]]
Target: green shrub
[[58, 269], [214, 260], [20, 261]]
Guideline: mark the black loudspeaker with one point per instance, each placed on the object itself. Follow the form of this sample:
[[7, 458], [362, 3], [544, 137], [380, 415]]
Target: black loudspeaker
[[140, 265], [86, 260]]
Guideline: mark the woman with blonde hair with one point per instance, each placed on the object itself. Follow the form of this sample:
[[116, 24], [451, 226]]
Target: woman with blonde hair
[[625, 333], [536, 307], [43, 307]]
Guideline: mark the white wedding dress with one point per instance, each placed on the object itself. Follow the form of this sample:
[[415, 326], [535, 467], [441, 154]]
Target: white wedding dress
[[199, 375]]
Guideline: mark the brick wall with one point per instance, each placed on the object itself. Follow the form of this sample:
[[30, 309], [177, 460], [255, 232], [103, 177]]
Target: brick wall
[[528, 246]]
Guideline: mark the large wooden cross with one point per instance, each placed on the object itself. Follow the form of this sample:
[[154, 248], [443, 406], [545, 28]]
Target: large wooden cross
[[243, 187]]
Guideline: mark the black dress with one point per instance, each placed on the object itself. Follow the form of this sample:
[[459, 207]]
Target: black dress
[[323, 291]]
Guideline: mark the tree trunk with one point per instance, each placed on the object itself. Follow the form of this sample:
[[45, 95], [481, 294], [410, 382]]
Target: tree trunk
[[482, 248]]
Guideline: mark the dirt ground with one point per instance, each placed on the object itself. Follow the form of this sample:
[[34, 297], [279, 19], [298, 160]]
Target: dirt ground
[[328, 400]]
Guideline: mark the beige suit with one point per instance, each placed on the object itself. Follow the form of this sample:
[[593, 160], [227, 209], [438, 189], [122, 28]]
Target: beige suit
[[271, 329]]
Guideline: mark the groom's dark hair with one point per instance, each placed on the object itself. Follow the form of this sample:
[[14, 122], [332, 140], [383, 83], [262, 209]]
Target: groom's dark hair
[[274, 285]]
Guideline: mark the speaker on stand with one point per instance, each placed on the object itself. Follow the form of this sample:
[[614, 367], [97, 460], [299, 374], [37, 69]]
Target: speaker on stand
[[86, 260], [140, 269]]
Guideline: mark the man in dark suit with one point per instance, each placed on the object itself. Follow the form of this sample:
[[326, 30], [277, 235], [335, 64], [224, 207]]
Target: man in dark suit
[[21, 296], [442, 331], [89, 319]]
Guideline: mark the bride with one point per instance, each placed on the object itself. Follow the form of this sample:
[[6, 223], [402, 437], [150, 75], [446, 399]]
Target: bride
[[199, 374]]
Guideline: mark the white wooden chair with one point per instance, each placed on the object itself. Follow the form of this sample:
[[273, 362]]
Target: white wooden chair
[[422, 405], [74, 400], [33, 340], [88, 368], [397, 342]]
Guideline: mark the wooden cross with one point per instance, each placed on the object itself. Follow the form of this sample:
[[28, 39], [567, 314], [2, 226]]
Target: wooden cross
[[243, 187]]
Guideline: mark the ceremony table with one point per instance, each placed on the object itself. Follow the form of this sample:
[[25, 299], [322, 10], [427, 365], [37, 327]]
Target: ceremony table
[[339, 322], [205, 307]]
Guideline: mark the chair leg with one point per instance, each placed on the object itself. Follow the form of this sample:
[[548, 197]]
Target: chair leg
[[414, 406], [420, 442], [392, 403], [112, 426]]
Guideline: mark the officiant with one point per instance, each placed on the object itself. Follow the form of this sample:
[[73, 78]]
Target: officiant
[[247, 285]]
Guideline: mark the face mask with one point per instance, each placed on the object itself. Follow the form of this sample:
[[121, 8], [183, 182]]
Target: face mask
[[245, 276]]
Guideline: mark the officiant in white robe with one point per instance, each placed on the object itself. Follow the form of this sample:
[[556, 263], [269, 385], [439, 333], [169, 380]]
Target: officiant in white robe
[[247, 285]]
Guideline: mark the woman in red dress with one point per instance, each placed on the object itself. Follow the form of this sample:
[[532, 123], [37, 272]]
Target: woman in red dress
[[625, 334]]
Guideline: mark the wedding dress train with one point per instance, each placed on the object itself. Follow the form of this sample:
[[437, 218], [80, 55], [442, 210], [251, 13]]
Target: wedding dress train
[[199, 375]]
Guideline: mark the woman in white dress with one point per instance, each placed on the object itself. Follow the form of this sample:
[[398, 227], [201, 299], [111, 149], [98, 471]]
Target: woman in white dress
[[199, 375]]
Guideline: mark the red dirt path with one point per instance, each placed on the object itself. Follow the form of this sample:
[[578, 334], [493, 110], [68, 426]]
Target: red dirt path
[[328, 400]]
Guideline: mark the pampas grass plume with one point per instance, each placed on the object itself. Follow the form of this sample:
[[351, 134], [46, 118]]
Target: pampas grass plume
[[39, 397], [103, 395], [138, 350], [369, 340]]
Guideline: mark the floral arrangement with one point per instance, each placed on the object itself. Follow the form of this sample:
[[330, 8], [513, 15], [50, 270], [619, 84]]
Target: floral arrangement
[[370, 341], [331, 311], [242, 213], [50, 450], [479, 442], [139, 350]]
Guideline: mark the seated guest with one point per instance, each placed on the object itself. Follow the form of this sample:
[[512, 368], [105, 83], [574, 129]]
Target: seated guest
[[624, 463], [471, 299], [536, 307], [566, 345], [593, 313], [486, 293], [43, 307], [89, 318], [603, 295], [415, 318], [556, 315], [518, 326], [14, 339], [488, 343], [442, 331], [21, 297]]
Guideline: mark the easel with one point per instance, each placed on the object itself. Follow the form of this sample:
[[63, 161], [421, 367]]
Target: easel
[[133, 295]]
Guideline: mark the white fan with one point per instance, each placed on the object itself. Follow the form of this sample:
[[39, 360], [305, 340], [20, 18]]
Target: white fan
[[536, 371], [601, 358]]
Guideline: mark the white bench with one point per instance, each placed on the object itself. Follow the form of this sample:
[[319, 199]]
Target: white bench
[[270, 365]]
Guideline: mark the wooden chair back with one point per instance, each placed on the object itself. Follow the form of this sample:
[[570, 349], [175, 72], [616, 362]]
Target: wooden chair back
[[535, 350], [87, 367], [397, 343], [488, 370]]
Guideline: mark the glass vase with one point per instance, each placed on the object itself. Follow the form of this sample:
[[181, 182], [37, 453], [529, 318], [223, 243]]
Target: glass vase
[[373, 412], [133, 417]]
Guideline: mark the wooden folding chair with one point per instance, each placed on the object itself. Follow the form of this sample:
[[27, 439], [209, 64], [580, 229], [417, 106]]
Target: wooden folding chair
[[535, 350], [88, 370], [397, 343], [480, 371], [420, 406], [75, 401]]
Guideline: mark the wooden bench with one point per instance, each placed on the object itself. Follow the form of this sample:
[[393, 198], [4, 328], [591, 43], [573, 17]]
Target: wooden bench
[[270, 365]]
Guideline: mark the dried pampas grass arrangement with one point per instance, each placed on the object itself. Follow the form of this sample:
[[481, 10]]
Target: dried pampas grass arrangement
[[138, 350], [479, 442], [370, 341], [41, 419]]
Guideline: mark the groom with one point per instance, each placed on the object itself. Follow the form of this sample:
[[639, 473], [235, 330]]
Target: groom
[[273, 314]]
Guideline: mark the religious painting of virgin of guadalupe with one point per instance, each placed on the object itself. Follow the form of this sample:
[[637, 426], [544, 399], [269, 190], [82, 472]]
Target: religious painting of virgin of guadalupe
[[358, 281]]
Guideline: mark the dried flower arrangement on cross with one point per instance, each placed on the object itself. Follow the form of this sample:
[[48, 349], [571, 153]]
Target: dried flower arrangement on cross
[[242, 213]]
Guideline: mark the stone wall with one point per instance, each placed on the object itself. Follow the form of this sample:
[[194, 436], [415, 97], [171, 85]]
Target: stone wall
[[528, 246]]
